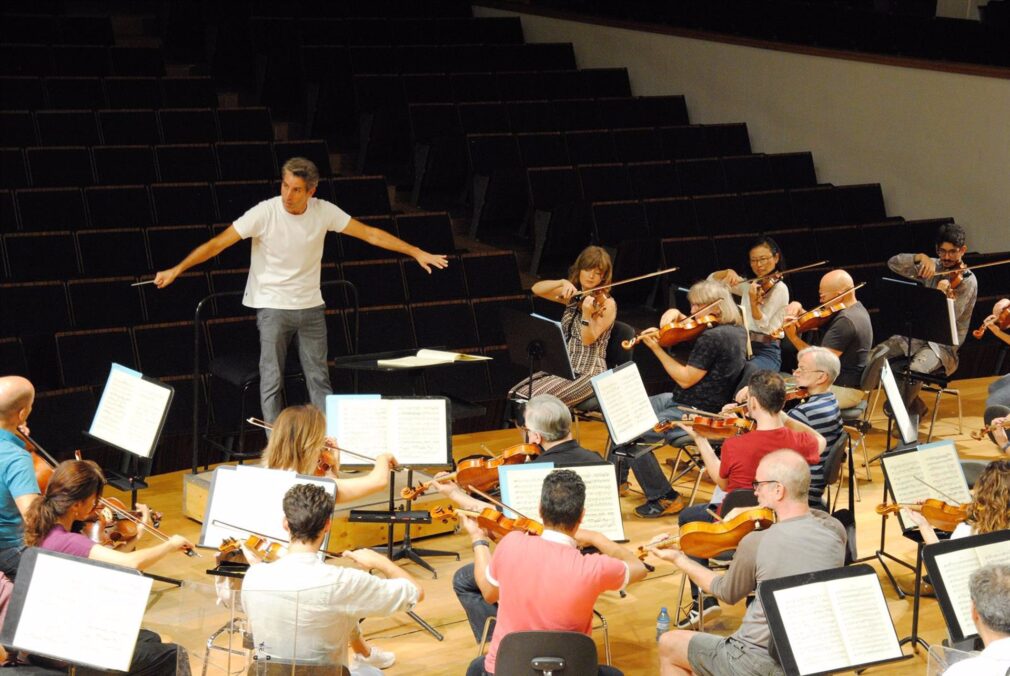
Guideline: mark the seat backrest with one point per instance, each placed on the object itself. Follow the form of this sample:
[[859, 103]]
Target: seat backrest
[[741, 497], [518, 650], [616, 354], [749, 369], [833, 461], [870, 378]]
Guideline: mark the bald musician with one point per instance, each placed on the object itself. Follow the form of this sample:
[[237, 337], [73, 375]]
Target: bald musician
[[847, 334], [18, 487]]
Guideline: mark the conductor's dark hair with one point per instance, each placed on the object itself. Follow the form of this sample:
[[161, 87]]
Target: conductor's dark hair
[[307, 507], [769, 389], [951, 232], [562, 499]]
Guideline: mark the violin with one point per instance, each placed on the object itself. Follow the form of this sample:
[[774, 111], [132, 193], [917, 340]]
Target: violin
[[792, 394], [816, 318], [710, 427], [767, 282], [1002, 322], [327, 460], [498, 525], [479, 473], [957, 274], [108, 526], [978, 435], [680, 331], [938, 513], [266, 550], [43, 467], [706, 540]]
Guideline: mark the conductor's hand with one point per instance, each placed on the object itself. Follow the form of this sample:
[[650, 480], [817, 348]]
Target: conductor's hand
[[165, 277], [428, 261]]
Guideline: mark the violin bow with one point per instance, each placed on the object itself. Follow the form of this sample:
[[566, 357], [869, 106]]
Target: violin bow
[[970, 267], [625, 281], [225, 524], [499, 503], [256, 422], [786, 272], [938, 491]]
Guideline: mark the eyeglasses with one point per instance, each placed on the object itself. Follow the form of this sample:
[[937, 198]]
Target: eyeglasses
[[757, 484], [762, 259], [800, 369], [947, 253]]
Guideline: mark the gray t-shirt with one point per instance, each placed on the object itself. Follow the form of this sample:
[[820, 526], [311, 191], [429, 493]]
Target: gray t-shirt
[[850, 333], [803, 544]]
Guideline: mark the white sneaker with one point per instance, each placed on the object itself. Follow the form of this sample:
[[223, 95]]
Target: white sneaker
[[693, 619], [380, 659]]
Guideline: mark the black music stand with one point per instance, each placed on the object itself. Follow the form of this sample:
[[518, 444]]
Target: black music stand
[[538, 343]]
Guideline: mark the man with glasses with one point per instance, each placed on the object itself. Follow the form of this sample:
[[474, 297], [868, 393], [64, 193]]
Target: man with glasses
[[927, 357], [848, 334], [817, 370], [736, 466], [801, 541]]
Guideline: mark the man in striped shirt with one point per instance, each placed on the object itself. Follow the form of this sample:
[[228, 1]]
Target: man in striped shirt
[[817, 370]]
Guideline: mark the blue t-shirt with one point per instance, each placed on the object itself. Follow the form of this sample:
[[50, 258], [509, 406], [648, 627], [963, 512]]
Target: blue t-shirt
[[17, 478]]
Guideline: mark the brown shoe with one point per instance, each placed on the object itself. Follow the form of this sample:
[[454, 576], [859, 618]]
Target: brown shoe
[[662, 507]]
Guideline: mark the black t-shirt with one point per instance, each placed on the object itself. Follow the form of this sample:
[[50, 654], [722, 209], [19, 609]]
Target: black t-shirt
[[721, 352], [850, 333], [568, 453]]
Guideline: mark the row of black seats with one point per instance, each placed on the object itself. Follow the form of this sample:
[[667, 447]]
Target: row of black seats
[[140, 206], [93, 60], [36, 256], [95, 93], [56, 29], [123, 165], [22, 128]]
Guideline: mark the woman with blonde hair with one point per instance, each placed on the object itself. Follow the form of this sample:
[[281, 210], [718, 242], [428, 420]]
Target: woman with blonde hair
[[989, 510]]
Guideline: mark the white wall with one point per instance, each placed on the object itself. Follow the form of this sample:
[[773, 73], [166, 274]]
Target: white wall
[[938, 143]]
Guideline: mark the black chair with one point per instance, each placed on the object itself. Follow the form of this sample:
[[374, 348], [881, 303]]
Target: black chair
[[105, 303], [124, 165], [183, 203], [245, 124], [683, 142], [63, 166], [830, 472], [361, 195], [429, 231], [67, 127], [122, 206], [188, 125], [186, 162], [48, 209], [129, 127], [246, 161], [539, 653]]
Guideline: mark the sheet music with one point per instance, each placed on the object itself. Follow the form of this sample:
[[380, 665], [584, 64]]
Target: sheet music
[[521, 486], [251, 499], [413, 430], [936, 464], [625, 403], [131, 411], [115, 601], [955, 570], [837, 623]]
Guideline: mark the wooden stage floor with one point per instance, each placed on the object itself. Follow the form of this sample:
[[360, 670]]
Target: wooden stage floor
[[632, 619]]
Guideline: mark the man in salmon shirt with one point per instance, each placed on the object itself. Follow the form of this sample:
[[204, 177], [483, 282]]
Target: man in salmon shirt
[[559, 595], [735, 468]]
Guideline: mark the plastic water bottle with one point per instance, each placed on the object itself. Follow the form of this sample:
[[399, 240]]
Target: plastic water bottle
[[662, 623]]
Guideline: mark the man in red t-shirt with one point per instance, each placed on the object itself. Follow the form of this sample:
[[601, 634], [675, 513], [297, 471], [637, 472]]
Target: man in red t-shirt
[[735, 470], [544, 583]]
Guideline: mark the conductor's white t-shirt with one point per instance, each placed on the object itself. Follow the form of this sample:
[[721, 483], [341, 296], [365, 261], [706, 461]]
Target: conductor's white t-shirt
[[287, 252]]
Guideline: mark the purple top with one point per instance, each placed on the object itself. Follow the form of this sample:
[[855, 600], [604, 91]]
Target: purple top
[[59, 540]]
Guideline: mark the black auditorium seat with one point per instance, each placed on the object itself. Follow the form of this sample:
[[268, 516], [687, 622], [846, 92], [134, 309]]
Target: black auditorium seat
[[124, 165], [487, 313], [46, 209], [17, 129], [136, 60], [21, 308], [86, 356], [129, 127], [604, 182], [636, 145], [703, 176], [245, 124], [530, 116], [110, 252], [100, 303], [133, 92], [315, 150], [653, 179], [361, 195], [593, 146], [183, 203], [188, 125], [22, 93], [13, 168], [747, 173], [234, 198], [543, 149], [768, 210], [188, 289], [246, 160], [67, 127], [41, 256], [576, 114], [499, 188], [491, 274], [354, 249], [165, 349], [448, 324], [721, 214], [447, 285], [728, 139], [671, 217], [169, 244], [793, 170], [186, 162], [614, 222], [188, 92], [684, 142], [429, 231], [59, 166], [379, 283], [121, 206]]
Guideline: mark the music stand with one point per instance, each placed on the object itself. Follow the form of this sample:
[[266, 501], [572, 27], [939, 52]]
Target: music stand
[[537, 342]]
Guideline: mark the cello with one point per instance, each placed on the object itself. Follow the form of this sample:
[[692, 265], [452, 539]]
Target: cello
[[43, 465]]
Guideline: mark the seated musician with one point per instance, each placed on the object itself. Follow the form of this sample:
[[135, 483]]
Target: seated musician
[[18, 486], [989, 587], [297, 441], [989, 510], [301, 609], [848, 334], [705, 382], [736, 468], [997, 404], [544, 582], [586, 324], [548, 424], [802, 541], [927, 357], [762, 312], [73, 493]]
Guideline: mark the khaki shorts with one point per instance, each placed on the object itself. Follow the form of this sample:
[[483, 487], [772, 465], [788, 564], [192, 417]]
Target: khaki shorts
[[711, 655]]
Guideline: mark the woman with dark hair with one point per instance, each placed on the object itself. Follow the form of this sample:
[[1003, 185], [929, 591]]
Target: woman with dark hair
[[763, 311], [73, 493], [586, 323]]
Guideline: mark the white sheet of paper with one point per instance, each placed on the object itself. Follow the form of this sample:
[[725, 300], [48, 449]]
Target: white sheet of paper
[[113, 602], [521, 485], [909, 433], [130, 411], [413, 430], [955, 570], [625, 403], [936, 464], [251, 499]]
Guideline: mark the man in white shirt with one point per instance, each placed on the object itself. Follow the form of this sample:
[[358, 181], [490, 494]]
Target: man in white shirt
[[302, 610], [990, 611], [287, 249]]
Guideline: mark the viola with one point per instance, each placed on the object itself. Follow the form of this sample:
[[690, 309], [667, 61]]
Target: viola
[[767, 282], [327, 460], [479, 473], [792, 394], [978, 435], [816, 318], [43, 468], [710, 427], [265, 549], [679, 331], [706, 540], [939, 514], [1002, 322], [498, 525]]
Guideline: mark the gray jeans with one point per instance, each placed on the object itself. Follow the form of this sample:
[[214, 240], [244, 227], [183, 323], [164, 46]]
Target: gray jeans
[[277, 328]]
